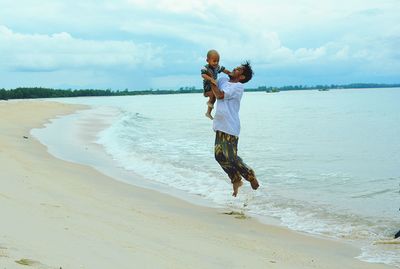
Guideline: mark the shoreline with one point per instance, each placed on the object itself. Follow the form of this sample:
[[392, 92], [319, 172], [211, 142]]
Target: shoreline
[[62, 214], [81, 141]]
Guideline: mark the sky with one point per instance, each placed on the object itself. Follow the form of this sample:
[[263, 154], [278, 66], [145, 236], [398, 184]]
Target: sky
[[162, 44]]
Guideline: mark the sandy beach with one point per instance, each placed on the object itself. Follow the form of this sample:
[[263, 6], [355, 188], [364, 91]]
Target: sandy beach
[[56, 214]]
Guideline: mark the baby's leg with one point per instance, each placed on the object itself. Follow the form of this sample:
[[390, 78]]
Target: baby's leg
[[210, 105], [211, 102]]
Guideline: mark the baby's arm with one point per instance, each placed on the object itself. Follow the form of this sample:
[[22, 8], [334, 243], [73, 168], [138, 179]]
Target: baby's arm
[[226, 71]]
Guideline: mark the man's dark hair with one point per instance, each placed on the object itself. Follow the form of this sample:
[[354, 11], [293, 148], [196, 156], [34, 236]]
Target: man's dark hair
[[247, 72]]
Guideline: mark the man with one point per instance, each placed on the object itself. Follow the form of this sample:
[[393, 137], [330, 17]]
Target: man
[[226, 124]]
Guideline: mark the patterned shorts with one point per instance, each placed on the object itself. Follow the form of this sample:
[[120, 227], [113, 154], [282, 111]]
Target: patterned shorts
[[225, 151]]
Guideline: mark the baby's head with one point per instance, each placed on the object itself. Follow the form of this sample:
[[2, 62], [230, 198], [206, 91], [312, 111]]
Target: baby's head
[[213, 58]]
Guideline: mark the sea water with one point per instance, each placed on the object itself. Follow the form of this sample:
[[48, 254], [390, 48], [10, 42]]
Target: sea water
[[327, 161]]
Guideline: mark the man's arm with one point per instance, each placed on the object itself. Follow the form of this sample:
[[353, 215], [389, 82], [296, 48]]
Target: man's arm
[[217, 92], [209, 78], [206, 76]]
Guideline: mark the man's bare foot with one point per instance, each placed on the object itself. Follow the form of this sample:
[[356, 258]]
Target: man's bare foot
[[208, 115], [236, 187], [254, 184]]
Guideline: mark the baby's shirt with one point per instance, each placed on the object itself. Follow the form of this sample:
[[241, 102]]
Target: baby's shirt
[[213, 72]]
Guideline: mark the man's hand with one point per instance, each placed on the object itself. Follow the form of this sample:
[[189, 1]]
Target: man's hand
[[226, 71]]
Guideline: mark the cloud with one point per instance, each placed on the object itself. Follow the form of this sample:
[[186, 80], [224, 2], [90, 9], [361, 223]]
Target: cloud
[[164, 42], [170, 81], [38, 52]]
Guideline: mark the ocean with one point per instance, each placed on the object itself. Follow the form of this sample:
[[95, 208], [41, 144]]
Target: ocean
[[327, 161]]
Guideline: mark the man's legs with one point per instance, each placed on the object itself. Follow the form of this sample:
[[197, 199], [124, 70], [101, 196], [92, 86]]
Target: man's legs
[[247, 173], [225, 151], [225, 155]]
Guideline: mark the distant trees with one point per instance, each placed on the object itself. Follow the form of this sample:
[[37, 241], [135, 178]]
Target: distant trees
[[332, 86], [3, 94], [267, 89], [39, 92]]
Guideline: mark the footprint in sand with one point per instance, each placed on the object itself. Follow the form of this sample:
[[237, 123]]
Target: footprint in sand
[[237, 215], [50, 205], [3, 252]]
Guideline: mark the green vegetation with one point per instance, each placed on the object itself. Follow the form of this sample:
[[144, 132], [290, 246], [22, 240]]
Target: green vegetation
[[26, 262], [29, 92], [22, 93]]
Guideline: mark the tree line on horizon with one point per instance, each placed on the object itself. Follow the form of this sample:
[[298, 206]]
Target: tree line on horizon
[[39, 92]]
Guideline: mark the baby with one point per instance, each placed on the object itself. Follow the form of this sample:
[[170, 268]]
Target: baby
[[210, 73]]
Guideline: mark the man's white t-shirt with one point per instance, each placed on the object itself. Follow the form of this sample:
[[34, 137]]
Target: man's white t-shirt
[[226, 117]]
